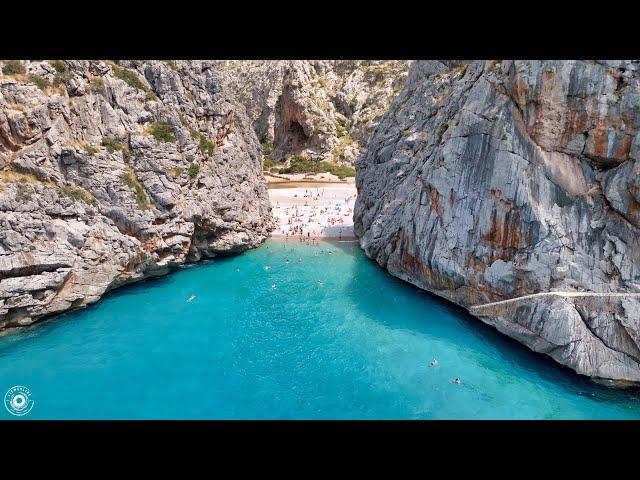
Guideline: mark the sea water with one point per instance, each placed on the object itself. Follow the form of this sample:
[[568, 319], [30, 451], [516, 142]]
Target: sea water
[[288, 331]]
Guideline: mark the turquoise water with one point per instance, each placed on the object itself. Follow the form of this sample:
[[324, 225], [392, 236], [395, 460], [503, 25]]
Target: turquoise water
[[325, 336]]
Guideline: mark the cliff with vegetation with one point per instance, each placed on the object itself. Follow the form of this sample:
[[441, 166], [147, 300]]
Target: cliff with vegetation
[[321, 110], [115, 172]]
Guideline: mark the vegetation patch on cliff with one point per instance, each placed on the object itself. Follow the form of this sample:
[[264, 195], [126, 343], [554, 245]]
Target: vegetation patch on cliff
[[112, 144], [58, 82], [79, 194], [41, 83], [162, 132], [13, 67], [89, 149], [12, 176], [23, 191], [267, 147], [346, 141], [193, 170], [269, 163], [130, 180], [175, 172], [62, 72], [300, 164], [98, 86], [205, 145], [132, 78]]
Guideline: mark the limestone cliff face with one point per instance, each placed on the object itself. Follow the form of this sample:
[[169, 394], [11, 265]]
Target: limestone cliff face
[[323, 109], [489, 181], [110, 173]]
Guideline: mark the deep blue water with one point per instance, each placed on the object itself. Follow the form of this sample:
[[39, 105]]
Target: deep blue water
[[323, 336]]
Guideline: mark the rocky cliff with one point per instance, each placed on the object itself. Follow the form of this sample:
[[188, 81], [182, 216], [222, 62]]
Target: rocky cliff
[[113, 172], [323, 109], [512, 188]]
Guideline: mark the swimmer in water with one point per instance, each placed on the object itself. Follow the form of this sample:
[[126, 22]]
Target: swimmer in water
[[273, 287], [434, 362], [320, 282], [266, 267], [457, 381], [191, 298], [286, 261], [237, 269]]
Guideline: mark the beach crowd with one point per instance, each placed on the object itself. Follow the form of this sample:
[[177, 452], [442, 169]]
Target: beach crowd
[[307, 214]]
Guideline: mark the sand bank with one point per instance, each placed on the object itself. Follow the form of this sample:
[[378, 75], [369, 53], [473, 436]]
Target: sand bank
[[323, 210]]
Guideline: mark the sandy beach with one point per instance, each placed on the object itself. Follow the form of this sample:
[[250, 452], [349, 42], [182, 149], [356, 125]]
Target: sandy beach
[[311, 210]]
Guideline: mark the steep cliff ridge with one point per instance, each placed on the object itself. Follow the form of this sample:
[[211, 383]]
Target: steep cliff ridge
[[489, 181], [113, 172], [322, 109]]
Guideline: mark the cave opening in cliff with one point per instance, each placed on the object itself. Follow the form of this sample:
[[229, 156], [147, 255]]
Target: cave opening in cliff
[[297, 135], [296, 138]]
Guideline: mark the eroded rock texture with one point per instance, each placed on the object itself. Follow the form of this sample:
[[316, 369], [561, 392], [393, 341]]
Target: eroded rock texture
[[323, 109], [113, 173], [487, 181]]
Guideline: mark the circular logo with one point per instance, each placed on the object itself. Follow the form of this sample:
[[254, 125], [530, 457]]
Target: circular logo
[[18, 401]]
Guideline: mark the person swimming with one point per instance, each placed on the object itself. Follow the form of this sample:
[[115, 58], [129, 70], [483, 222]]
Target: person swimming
[[191, 298], [434, 362], [266, 267], [457, 381], [273, 286]]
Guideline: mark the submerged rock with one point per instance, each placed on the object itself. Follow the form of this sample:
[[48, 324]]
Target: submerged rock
[[489, 181], [114, 172]]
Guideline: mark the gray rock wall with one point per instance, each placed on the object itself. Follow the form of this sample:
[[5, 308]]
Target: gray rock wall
[[321, 109], [487, 181], [112, 173]]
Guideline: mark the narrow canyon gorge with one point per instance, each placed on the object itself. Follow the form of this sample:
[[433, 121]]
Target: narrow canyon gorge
[[510, 188]]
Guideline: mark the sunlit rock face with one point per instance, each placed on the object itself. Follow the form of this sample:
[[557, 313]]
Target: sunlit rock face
[[114, 172], [487, 181], [320, 109]]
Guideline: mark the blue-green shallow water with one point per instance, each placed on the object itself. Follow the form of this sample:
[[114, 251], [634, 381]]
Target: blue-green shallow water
[[357, 346]]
